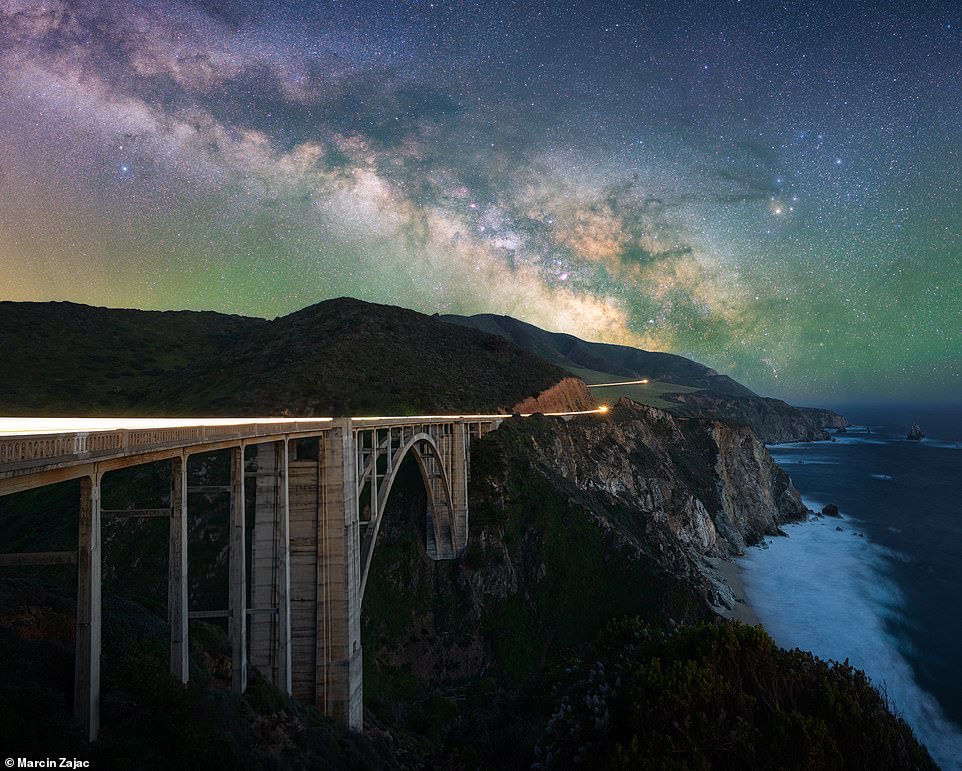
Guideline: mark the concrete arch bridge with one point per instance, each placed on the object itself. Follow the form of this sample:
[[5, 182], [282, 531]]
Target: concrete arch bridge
[[321, 488]]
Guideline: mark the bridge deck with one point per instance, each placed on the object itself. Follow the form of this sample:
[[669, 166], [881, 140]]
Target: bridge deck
[[55, 449]]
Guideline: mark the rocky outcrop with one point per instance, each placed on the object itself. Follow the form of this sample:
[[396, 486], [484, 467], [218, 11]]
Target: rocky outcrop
[[569, 395], [915, 433], [704, 480], [756, 495], [772, 420]]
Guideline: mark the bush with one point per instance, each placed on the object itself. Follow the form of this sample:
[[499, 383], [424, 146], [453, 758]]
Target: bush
[[719, 696]]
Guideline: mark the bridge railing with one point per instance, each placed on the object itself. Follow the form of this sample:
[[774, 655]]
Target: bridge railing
[[21, 453]]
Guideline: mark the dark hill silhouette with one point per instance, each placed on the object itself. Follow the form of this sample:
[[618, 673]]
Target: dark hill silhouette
[[573, 353], [338, 357], [677, 384], [346, 356], [61, 358]]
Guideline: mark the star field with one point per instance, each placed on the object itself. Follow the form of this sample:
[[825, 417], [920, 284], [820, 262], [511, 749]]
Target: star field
[[773, 189]]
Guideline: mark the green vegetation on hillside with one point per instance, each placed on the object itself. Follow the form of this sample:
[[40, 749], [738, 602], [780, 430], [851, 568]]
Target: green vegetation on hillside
[[339, 357], [347, 357], [649, 393], [621, 361], [676, 384], [717, 696], [68, 359]]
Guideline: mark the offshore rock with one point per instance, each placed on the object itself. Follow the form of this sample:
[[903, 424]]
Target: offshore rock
[[915, 433], [831, 510]]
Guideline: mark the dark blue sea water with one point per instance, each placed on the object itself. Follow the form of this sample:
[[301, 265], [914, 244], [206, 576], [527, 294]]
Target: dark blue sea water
[[885, 591]]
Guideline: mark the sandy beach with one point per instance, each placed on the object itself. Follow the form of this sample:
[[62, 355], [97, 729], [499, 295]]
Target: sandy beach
[[731, 571]]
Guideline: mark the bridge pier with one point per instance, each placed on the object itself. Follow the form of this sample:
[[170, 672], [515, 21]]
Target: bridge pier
[[177, 596], [458, 475], [325, 619], [237, 627], [339, 662], [270, 640], [88, 641]]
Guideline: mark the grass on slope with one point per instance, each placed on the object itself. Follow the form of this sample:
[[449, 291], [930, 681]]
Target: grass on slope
[[347, 357], [644, 393]]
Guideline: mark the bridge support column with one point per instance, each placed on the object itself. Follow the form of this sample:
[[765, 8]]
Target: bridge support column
[[458, 475], [339, 660], [238, 574], [87, 665], [177, 597], [270, 567]]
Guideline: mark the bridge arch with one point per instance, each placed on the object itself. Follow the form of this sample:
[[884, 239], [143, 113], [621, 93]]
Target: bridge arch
[[441, 537]]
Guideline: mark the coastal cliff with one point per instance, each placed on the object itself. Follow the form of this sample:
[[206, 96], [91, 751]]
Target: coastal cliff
[[773, 420], [756, 495], [518, 654], [509, 654], [572, 523]]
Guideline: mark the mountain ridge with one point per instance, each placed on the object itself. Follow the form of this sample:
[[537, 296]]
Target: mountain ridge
[[338, 357], [672, 382], [573, 523], [564, 349]]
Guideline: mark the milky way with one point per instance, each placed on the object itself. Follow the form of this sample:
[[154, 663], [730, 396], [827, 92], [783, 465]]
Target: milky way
[[772, 189]]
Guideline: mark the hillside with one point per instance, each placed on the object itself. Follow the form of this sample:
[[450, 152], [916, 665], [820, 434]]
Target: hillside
[[676, 384], [344, 356], [338, 357], [59, 357], [619, 361], [507, 657]]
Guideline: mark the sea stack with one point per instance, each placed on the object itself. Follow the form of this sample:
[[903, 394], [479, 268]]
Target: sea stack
[[915, 434], [831, 511]]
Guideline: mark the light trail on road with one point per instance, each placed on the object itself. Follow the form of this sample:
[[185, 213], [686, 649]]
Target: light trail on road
[[42, 426], [623, 382]]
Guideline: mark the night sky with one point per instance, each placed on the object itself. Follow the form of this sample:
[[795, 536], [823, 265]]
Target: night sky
[[774, 189]]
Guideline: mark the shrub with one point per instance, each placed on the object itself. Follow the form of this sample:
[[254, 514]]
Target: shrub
[[720, 696]]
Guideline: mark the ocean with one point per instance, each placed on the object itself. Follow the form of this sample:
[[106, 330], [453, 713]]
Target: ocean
[[881, 587]]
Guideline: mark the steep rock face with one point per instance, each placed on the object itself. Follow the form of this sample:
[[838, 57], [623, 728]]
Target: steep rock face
[[755, 494], [624, 464], [772, 419], [713, 485], [572, 523]]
